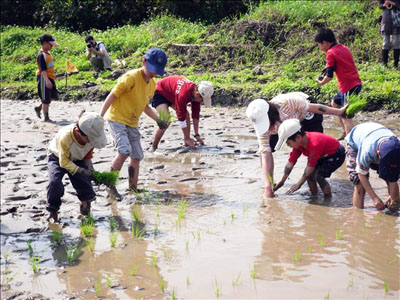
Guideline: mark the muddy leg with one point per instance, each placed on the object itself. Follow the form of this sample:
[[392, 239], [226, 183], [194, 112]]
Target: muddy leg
[[325, 187], [358, 196], [38, 110], [312, 184], [45, 108], [133, 171], [157, 138]]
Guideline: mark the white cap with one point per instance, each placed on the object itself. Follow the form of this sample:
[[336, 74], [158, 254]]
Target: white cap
[[286, 130], [92, 125], [206, 90], [257, 112]]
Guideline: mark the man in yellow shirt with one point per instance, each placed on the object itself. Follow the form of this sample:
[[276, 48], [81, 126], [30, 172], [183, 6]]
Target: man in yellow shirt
[[124, 105]]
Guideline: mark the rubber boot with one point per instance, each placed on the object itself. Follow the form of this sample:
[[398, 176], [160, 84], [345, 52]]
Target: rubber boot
[[385, 57], [396, 53]]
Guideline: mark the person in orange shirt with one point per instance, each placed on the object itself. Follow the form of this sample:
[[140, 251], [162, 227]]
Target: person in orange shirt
[[45, 76]]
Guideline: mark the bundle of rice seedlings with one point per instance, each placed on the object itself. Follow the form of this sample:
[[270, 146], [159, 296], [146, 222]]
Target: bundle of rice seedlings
[[356, 104], [106, 178], [165, 116]]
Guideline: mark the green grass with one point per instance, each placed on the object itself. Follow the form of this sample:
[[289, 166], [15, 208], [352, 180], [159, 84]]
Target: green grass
[[236, 49]]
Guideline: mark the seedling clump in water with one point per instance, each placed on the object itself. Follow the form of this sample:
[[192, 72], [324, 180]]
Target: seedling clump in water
[[106, 178]]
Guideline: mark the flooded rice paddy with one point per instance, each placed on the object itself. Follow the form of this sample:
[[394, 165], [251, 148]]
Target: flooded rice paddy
[[200, 230]]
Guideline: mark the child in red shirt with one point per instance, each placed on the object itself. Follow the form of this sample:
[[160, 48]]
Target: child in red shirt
[[178, 92], [325, 155], [339, 60]]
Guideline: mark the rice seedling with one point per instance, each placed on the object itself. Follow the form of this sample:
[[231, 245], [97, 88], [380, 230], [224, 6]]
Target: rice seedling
[[297, 257], [135, 215], [108, 281], [156, 231], [106, 178], [154, 260], [133, 270], [187, 245], [162, 285], [310, 249], [57, 236], [187, 280], [113, 238], [30, 248], [356, 104], [165, 116], [198, 234], [90, 244], [6, 254], [173, 295], [158, 212], [386, 287], [181, 211], [89, 220], [326, 297], [72, 253], [137, 233], [321, 240], [7, 277], [339, 234], [253, 271], [97, 287], [35, 263], [232, 217], [111, 223], [217, 289], [86, 229], [236, 281]]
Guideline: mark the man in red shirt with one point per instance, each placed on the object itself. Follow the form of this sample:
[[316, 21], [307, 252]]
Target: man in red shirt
[[177, 92], [339, 60], [325, 156]]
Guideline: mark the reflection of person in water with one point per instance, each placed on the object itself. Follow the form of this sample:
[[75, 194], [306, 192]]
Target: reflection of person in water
[[325, 156], [371, 145]]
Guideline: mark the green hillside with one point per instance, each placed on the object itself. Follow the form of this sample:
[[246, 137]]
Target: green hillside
[[258, 55]]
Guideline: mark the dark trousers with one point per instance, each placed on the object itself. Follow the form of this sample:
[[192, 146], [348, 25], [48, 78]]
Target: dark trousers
[[55, 188]]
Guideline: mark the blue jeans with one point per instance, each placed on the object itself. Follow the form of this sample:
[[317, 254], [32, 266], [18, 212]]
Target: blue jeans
[[55, 188]]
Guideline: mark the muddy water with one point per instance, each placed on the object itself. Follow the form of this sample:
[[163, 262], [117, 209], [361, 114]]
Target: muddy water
[[226, 242]]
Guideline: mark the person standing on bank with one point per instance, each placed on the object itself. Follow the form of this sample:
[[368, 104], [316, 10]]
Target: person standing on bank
[[177, 92], [388, 28], [124, 105], [339, 60], [96, 53], [267, 117], [45, 76]]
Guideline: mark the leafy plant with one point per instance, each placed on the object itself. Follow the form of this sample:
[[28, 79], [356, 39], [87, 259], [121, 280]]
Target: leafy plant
[[165, 116], [386, 287], [30, 248], [107, 178], [72, 253], [86, 229], [113, 238], [35, 263], [135, 215], [137, 233]]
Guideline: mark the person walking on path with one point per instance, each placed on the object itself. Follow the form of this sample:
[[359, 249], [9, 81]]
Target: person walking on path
[[124, 105], [339, 60], [372, 145], [45, 76], [388, 28], [178, 92], [325, 156], [267, 117], [71, 152]]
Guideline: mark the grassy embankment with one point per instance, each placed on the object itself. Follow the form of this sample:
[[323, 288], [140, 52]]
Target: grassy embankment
[[260, 54]]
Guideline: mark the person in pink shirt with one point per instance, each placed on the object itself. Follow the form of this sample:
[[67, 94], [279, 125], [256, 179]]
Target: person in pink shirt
[[325, 156], [177, 92], [339, 60]]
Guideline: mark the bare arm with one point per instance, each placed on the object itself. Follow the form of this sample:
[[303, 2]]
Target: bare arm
[[286, 172], [47, 82], [307, 172], [148, 111], [267, 166], [324, 81], [368, 188], [323, 109], [109, 100]]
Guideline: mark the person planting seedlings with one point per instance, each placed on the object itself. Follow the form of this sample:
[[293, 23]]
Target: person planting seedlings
[[325, 156], [177, 92], [372, 145], [71, 152], [268, 116], [124, 105]]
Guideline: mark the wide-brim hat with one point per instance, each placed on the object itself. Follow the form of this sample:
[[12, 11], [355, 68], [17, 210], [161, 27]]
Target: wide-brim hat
[[286, 130]]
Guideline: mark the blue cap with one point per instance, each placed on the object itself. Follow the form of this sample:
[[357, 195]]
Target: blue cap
[[389, 159], [156, 61]]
